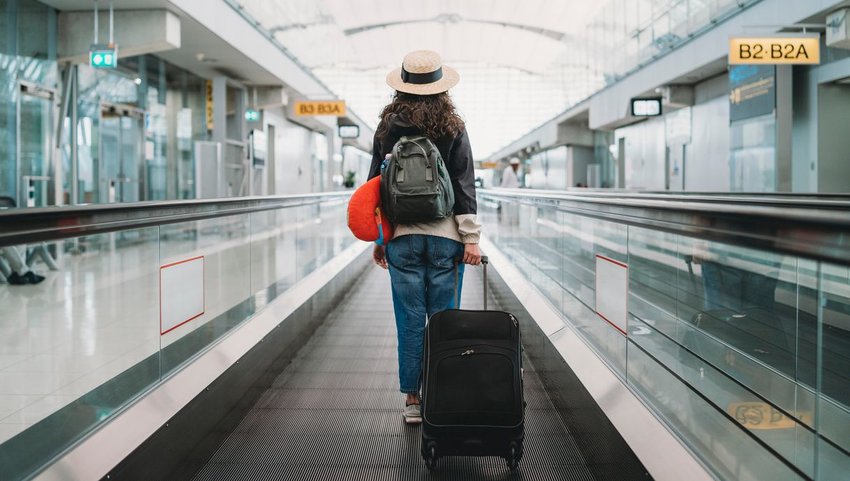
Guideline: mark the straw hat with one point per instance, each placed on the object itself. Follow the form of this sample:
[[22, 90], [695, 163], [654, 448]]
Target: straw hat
[[423, 73]]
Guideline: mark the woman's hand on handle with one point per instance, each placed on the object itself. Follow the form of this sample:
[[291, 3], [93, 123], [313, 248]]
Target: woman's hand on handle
[[379, 256], [471, 254]]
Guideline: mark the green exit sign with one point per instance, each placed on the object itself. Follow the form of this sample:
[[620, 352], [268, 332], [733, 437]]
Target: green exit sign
[[103, 56], [252, 115]]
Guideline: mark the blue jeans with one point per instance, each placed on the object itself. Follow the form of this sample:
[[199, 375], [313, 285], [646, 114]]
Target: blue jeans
[[422, 272]]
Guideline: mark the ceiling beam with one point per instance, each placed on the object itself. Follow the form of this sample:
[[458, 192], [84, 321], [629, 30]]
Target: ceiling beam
[[454, 18]]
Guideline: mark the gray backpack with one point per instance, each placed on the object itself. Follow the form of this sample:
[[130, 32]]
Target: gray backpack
[[415, 187]]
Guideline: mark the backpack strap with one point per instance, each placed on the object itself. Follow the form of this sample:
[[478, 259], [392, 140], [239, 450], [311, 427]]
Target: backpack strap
[[380, 240], [429, 166]]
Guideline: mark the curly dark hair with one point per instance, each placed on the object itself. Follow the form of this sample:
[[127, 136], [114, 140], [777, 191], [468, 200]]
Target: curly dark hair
[[434, 115]]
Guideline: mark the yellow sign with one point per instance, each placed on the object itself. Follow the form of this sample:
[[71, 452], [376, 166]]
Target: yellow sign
[[489, 165], [756, 415], [209, 96], [320, 107], [799, 50]]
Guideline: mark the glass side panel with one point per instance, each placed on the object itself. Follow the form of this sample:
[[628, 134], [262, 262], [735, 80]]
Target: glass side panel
[[655, 276], [96, 165], [336, 215], [35, 150], [575, 258], [9, 92], [748, 304], [725, 445], [77, 346], [727, 322], [584, 240], [120, 149], [537, 250], [225, 248], [307, 232], [558, 252], [806, 338], [288, 244], [156, 150], [116, 313], [129, 178], [834, 356], [743, 352], [34, 19], [325, 233], [7, 44], [274, 252]]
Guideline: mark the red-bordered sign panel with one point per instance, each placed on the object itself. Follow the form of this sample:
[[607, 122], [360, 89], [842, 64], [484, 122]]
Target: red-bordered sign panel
[[182, 293]]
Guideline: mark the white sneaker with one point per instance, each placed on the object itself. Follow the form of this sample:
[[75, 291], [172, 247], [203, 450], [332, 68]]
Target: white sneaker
[[412, 414]]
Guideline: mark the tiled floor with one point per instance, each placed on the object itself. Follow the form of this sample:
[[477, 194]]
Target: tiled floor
[[99, 314]]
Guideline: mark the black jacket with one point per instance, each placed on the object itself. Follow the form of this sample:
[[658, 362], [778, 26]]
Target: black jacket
[[456, 153]]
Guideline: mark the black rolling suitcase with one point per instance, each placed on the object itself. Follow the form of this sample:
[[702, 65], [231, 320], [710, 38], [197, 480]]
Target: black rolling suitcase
[[472, 402]]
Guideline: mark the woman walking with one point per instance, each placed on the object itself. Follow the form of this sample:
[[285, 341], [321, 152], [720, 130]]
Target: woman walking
[[421, 257]]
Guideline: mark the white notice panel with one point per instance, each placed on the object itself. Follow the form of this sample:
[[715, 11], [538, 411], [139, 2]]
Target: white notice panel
[[612, 291], [181, 293]]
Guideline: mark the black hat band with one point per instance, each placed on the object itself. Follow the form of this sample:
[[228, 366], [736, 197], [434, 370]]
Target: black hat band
[[421, 78]]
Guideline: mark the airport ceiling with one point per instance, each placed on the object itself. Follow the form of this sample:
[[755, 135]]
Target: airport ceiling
[[517, 59], [529, 35], [521, 62]]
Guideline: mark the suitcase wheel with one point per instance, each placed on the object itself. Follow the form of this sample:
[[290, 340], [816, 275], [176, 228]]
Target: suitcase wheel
[[430, 455], [512, 460]]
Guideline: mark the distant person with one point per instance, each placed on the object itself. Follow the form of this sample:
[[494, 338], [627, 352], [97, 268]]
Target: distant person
[[14, 268], [421, 257], [15, 262], [510, 179], [40, 251]]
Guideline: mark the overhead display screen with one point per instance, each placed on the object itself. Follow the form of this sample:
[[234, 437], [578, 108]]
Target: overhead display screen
[[650, 107], [349, 131]]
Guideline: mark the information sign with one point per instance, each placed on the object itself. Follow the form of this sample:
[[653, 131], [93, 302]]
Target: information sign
[[209, 104], [785, 50], [103, 56], [319, 107], [752, 91]]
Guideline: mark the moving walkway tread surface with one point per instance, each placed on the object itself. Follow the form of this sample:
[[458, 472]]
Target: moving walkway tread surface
[[335, 411]]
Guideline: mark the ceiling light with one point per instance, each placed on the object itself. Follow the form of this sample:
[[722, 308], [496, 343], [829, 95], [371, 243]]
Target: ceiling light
[[138, 81], [202, 57]]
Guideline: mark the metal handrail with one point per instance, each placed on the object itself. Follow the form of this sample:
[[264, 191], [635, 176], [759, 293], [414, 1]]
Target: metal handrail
[[757, 195], [818, 229], [767, 198], [21, 226]]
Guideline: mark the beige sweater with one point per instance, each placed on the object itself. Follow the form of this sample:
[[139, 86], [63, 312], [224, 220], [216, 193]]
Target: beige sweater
[[462, 228]]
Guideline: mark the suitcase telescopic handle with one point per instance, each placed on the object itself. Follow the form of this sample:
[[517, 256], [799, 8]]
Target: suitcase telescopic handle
[[484, 261]]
